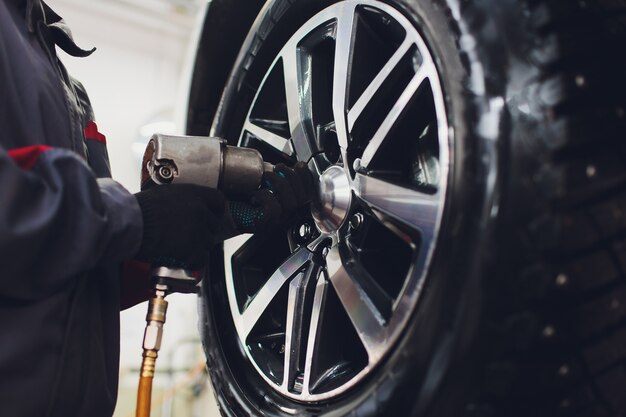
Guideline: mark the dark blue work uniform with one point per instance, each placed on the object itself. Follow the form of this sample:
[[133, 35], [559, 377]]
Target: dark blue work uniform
[[65, 228]]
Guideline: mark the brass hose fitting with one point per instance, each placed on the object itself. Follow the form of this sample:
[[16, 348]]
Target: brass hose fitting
[[155, 319]]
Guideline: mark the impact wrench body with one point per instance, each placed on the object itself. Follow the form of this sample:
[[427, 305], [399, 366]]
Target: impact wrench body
[[203, 161]]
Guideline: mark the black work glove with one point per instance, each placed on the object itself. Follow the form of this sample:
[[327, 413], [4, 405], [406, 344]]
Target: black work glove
[[180, 224], [282, 193]]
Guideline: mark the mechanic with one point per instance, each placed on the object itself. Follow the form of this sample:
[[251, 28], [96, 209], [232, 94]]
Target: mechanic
[[69, 233]]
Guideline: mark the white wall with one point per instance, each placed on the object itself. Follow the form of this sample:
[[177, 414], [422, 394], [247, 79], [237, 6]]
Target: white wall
[[134, 76]]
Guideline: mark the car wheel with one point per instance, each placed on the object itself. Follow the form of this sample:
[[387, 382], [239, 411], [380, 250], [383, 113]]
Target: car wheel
[[465, 254]]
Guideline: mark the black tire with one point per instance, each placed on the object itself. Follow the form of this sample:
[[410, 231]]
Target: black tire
[[529, 319]]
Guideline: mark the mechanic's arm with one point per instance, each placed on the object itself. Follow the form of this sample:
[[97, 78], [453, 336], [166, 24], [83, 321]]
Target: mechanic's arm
[[57, 220], [284, 192]]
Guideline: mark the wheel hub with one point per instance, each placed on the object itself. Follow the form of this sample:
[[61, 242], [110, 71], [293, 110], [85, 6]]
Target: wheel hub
[[334, 196]]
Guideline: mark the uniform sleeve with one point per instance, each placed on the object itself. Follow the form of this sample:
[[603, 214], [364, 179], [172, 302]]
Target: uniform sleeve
[[57, 220]]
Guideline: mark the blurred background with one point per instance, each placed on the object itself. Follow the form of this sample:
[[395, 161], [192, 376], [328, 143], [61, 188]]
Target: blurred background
[[137, 84]]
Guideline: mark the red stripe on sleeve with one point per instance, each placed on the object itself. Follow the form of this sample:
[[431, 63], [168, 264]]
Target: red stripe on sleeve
[[28, 156], [91, 133]]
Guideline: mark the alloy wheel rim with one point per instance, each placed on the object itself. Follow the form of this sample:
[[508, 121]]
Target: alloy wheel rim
[[331, 271]]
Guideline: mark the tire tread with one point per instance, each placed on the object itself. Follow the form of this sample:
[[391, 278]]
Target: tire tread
[[573, 263]]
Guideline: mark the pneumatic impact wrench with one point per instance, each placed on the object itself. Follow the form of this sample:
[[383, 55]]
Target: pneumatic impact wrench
[[205, 161]]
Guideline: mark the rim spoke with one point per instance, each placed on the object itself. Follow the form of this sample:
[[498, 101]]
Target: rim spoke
[[295, 80], [291, 330], [377, 82], [277, 142], [266, 294], [366, 319], [416, 209], [381, 300], [422, 74], [312, 345], [300, 299], [343, 55]]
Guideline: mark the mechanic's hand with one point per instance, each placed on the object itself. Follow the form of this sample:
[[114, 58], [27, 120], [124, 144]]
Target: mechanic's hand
[[283, 192], [180, 224]]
